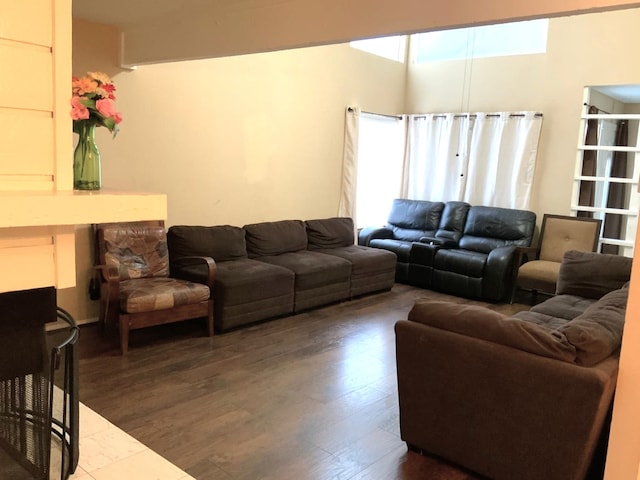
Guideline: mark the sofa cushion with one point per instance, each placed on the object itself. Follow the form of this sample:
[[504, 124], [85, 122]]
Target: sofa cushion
[[597, 333], [411, 220], [464, 262], [566, 307], [330, 233], [592, 275], [543, 319], [222, 243], [275, 238], [486, 324], [491, 227]]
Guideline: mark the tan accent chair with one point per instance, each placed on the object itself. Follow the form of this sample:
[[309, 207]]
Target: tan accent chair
[[539, 267], [136, 290]]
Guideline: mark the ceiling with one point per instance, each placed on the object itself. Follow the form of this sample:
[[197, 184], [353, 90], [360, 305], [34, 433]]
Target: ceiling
[[622, 93], [167, 30]]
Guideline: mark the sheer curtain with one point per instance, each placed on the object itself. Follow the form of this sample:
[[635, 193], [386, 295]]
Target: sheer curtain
[[347, 204], [436, 156], [482, 158], [502, 159], [372, 166]]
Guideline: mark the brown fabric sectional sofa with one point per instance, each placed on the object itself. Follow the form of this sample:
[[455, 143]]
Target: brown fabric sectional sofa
[[270, 269], [525, 397]]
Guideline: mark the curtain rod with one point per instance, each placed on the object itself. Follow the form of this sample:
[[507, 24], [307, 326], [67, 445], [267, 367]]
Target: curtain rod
[[597, 108], [473, 115], [399, 117]]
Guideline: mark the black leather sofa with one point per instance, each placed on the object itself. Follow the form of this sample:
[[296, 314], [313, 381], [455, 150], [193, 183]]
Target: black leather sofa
[[454, 247]]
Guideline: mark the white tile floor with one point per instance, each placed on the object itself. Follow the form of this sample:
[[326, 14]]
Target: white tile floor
[[108, 453]]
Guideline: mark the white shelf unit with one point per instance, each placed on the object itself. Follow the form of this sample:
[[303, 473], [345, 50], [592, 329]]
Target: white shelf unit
[[603, 179]]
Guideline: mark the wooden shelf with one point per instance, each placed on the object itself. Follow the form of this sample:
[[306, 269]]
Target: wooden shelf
[[31, 209]]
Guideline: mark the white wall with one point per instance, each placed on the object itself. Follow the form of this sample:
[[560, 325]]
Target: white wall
[[232, 140], [582, 50]]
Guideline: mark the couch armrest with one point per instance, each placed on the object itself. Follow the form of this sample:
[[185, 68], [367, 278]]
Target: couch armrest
[[367, 234], [497, 410], [498, 279]]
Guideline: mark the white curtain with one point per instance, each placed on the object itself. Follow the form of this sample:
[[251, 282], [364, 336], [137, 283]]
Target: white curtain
[[436, 156], [483, 158], [372, 166], [347, 204], [502, 159]]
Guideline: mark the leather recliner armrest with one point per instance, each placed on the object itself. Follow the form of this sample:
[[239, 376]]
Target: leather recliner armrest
[[440, 242], [367, 234]]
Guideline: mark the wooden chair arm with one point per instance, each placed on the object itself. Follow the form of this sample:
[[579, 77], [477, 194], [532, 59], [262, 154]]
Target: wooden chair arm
[[196, 260], [526, 254], [109, 282]]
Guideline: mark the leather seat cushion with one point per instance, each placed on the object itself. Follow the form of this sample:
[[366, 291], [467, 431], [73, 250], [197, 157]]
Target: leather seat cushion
[[464, 262], [157, 293]]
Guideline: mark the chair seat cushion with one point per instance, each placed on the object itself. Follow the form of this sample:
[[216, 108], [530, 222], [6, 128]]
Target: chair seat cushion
[[150, 294], [539, 275]]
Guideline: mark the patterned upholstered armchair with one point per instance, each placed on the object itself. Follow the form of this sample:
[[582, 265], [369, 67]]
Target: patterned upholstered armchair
[[135, 288]]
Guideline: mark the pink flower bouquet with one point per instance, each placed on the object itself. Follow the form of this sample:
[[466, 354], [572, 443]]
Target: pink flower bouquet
[[93, 100]]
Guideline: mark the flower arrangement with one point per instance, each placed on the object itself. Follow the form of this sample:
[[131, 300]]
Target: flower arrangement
[[92, 102]]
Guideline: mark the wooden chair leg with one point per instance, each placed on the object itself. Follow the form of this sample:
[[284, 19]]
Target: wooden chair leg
[[124, 334]]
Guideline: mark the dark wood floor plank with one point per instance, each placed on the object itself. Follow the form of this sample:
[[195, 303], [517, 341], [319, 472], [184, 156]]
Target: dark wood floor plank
[[309, 396]]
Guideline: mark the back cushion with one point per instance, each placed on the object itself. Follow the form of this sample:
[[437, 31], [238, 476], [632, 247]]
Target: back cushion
[[412, 219], [562, 234], [453, 220], [592, 275], [330, 233], [222, 243], [274, 238], [491, 227], [135, 251]]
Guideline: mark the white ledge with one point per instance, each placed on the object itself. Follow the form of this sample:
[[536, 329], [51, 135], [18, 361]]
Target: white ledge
[[34, 208]]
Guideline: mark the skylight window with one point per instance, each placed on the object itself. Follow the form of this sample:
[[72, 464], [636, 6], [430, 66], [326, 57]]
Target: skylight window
[[515, 38], [392, 48]]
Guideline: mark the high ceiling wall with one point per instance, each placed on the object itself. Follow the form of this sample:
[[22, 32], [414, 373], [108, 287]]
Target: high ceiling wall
[[157, 31]]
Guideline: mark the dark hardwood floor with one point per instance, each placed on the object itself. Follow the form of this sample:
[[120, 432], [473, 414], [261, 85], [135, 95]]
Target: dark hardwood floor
[[311, 396]]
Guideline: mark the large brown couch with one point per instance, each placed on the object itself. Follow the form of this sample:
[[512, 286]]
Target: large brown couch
[[270, 269], [516, 397]]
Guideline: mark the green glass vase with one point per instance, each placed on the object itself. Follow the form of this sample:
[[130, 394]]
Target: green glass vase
[[86, 159]]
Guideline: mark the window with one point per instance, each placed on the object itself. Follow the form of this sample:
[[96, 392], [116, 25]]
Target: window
[[515, 38], [379, 170], [392, 48]]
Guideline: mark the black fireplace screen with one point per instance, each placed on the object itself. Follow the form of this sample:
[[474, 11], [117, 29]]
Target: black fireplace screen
[[38, 391]]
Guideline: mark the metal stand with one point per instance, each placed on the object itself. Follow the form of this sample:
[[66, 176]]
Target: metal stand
[[64, 421]]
